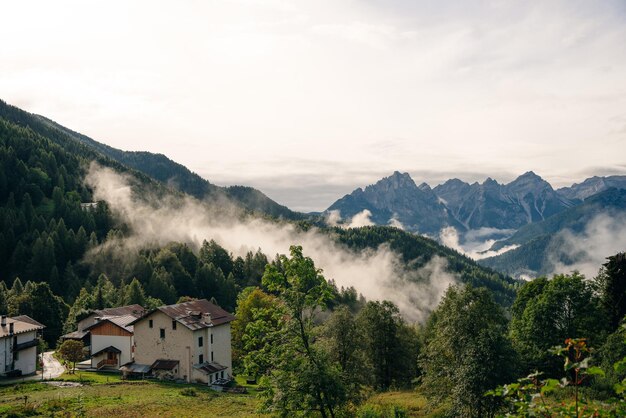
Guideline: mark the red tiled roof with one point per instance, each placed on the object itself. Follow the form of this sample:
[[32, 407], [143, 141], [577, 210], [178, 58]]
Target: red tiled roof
[[192, 314]]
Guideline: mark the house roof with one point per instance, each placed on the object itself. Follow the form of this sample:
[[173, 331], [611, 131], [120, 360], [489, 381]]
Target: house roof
[[109, 349], [20, 326], [134, 310], [76, 335], [120, 321], [164, 364], [209, 367], [26, 318], [133, 367], [195, 314]]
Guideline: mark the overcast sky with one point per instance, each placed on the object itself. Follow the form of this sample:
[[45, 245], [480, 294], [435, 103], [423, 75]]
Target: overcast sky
[[308, 100]]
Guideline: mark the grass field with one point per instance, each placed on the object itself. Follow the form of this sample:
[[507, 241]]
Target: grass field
[[105, 395]]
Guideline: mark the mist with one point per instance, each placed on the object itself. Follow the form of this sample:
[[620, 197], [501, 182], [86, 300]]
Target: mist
[[377, 274], [603, 236], [477, 241]]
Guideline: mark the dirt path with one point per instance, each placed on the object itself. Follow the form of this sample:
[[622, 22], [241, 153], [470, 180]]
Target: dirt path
[[51, 368]]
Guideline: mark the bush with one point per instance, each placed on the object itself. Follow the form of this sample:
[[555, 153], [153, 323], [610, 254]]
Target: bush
[[189, 392]]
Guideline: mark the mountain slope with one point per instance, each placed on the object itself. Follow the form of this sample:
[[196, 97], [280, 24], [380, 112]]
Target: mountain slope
[[465, 206], [525, 200], [157, 166], [417, 250], [575, 218], [592, 186], [398, 197], [544, 243]]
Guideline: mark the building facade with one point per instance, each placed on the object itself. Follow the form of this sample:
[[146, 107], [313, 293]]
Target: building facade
[[189, 341], [19, 337]]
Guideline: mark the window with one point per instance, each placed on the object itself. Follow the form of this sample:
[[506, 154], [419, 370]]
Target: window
[[200, 341], [211, 355], [211, 338], [174, 324], [150, 324], [17, 356], [222, 374], [201, 359], [162, 332]]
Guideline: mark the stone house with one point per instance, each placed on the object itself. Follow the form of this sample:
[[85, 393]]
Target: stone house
[[189, 341]]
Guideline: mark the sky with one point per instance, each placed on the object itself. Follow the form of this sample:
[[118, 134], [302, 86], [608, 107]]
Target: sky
[[307, 100]]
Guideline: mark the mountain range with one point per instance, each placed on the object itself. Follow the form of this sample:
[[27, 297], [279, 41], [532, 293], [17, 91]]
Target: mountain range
[[528, 212], [526, 200]]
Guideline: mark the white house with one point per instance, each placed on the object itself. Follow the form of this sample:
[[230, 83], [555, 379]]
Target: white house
[[189, 341], [18, 345], [111, 341], [108, 335]]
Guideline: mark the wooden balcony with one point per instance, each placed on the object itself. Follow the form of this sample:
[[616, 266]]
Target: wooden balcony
[[106, 362]]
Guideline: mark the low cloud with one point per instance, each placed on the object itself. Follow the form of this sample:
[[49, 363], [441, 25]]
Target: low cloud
[[377, 274], [477, 242], [603, 236], [363, 218]]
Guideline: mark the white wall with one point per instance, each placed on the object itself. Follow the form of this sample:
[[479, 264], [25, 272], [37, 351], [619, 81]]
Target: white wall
[[27, 359], [150, 347], [98, 342], [222, 349]]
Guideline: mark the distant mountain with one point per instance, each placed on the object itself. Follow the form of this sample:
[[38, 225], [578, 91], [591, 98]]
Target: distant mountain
[[398, 197], [574, 219], [592, 186], [465, 206], [540, 242], [156, 166], [525, 200]]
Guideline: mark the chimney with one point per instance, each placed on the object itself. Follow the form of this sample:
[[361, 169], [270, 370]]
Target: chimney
[[206, 318], [4, 321], [11, 328]]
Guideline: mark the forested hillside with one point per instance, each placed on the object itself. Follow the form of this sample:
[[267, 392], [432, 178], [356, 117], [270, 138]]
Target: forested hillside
[[417, 250], [157, 166]]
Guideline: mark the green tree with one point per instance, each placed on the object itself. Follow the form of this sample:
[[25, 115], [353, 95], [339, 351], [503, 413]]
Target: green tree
[[72, 352], [547, 312], [346, 346], [303, 379], [83, 303], [466, 351], [134, 294], [38, 302], [211, 252], [611, 283], [255, 331], [393, 359]]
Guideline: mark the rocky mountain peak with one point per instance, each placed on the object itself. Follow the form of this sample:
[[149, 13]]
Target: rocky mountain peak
[[397, 181]]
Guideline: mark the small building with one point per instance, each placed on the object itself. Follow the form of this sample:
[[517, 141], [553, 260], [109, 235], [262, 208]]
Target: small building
[[107, 335], [189, 341], [111, 341], [19, 337]]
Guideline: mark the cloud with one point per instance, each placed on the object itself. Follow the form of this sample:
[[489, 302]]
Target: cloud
[[396, 223], [377, 274], [493, 85], [361, 219], [476, 246], [333, 218], [603, 236]]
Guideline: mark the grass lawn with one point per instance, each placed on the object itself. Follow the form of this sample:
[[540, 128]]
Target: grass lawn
[[412, 403], [121, 399]]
